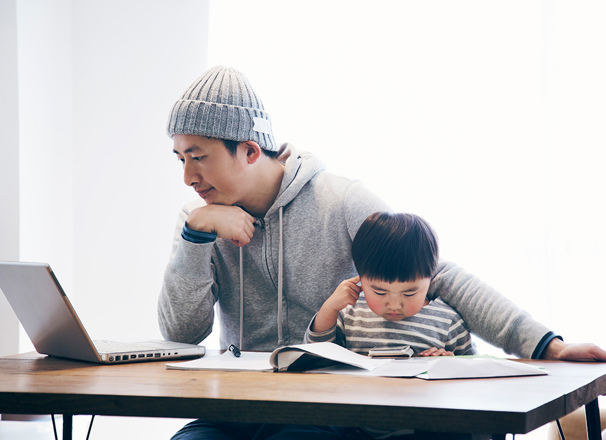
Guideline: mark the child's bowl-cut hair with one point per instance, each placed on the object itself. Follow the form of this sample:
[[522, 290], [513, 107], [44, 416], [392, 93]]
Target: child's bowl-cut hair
[[394, 247]]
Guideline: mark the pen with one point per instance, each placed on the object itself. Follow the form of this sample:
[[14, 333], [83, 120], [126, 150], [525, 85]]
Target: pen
[[234, 350]]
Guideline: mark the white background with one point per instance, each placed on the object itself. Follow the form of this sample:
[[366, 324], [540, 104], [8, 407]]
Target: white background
[[485, 117]]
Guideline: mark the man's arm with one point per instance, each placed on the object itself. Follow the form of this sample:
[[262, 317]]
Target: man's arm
[[500, 322], [489, 314], [185, 305]]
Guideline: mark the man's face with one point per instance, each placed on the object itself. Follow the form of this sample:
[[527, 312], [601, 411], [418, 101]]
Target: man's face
[[210, 169], [395, 301]]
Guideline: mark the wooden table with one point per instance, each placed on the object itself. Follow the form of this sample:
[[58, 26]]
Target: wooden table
[[35, 384]]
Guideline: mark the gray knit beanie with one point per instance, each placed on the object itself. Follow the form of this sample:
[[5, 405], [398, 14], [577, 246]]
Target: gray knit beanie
[[221, 104]]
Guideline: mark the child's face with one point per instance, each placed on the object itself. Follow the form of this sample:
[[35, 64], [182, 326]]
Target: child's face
[[395, 301]]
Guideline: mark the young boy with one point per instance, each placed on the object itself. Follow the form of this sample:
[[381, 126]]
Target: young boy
[[386, 305]]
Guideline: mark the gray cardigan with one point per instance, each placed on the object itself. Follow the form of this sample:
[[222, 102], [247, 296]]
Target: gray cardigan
[[321, 213]]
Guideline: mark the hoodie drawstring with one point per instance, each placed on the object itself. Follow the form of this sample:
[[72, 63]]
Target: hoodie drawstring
[[280, 293], [241, 300], [280, 289]]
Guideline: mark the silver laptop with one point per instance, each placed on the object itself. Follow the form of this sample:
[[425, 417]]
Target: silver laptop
[[54, 328]]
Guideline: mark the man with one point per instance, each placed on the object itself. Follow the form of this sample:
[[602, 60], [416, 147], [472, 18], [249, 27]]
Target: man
[[273, 239]]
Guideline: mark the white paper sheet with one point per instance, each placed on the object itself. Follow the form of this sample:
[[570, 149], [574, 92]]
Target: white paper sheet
[[248, 361], [444, 367]]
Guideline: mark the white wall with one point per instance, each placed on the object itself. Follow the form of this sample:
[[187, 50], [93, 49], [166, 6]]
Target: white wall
[[9, 165], [45, 142], [100, 188]]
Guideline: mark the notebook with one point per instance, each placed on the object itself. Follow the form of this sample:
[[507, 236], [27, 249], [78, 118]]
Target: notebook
[[54, 328]]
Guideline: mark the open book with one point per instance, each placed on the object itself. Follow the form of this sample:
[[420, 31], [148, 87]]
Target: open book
[[326, 357], [329, 358]]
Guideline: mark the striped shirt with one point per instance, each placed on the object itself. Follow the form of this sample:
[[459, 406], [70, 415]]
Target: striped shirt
[[436, 325]]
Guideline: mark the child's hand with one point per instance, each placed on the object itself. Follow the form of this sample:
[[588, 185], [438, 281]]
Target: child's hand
[[347, 293], [433, 351]]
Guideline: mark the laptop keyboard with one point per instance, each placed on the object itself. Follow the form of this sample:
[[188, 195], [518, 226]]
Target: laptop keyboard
[[117, 347]]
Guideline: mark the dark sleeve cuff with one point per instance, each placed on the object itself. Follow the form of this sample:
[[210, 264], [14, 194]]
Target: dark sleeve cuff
[[197, 237], [542, 345]]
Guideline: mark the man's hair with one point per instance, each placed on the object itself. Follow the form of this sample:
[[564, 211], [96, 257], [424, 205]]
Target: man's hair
[[395, 247], [232, 147]]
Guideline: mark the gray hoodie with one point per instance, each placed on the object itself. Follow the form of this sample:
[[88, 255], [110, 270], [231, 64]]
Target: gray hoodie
[[300, 252]]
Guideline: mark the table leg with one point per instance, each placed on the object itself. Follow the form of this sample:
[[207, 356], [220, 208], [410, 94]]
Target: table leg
[[592, 414], [68, 424]]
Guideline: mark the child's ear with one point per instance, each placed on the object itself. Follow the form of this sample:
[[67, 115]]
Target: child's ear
[[253, 151]]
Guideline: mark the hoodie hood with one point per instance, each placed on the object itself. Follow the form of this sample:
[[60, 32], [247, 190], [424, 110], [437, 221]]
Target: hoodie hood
[[300, 168]]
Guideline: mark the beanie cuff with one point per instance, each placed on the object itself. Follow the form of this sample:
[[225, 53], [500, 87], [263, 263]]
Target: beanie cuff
[[221, 121]]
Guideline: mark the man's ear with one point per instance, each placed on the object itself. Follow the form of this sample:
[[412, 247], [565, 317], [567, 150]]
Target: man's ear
[[253, 151]]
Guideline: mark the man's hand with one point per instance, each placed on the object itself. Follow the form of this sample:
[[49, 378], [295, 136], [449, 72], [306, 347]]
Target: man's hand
[[433, 351], [585, 352], [229, 222], [347, 293]]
